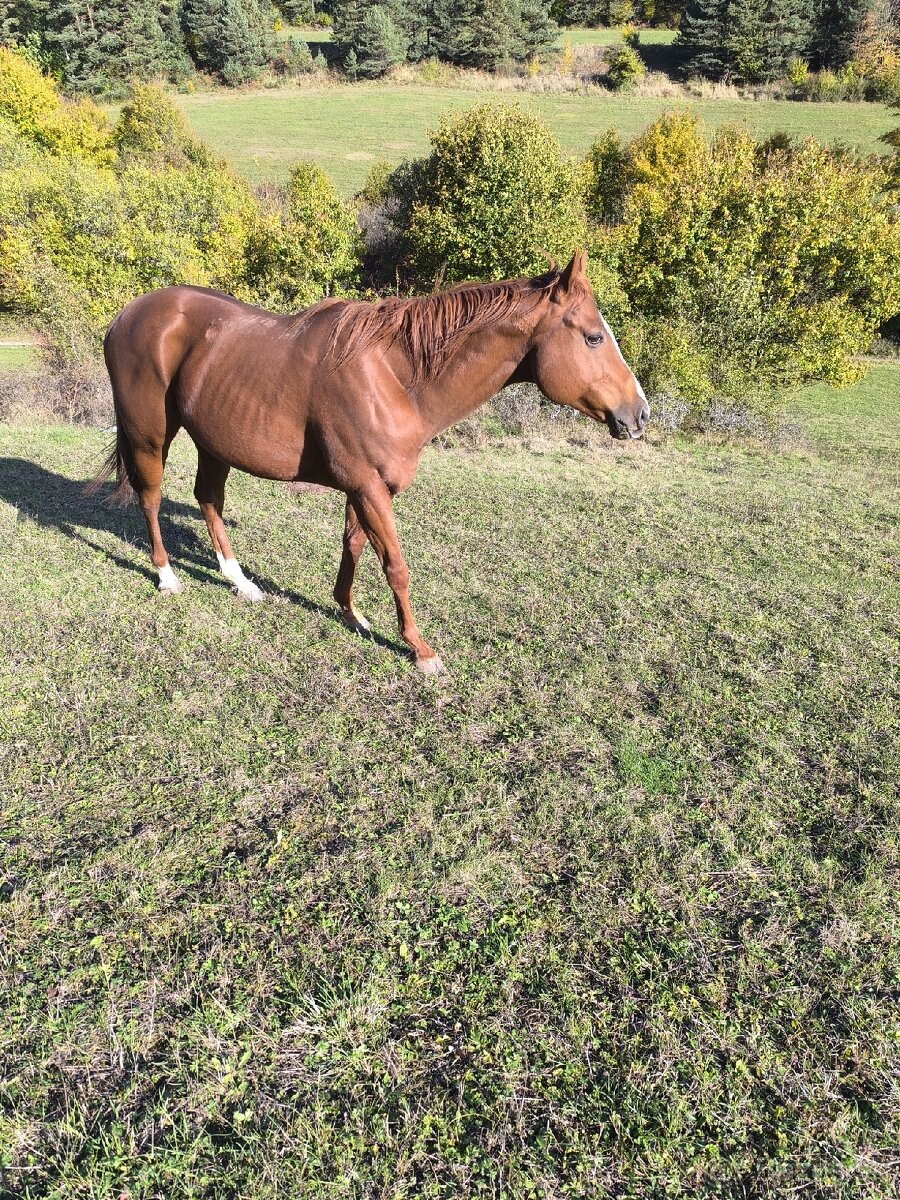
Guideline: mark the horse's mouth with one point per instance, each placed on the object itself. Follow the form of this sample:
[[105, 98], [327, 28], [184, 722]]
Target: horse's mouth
[[620, 431]]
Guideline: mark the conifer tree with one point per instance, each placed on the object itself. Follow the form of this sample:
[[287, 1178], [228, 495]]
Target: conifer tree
[[98, 44], [837, 23], [745, 34], [381, 44], [538, 32], [702, 37], [228, 38], [789, 30]]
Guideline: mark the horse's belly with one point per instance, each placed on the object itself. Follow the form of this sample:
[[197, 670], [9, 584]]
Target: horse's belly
[[248, 421], [258, 448]]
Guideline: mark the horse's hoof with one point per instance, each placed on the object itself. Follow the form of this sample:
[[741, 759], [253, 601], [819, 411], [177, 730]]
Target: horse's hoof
[[169, 583], [356, 622], [251, 593], [431, 666]]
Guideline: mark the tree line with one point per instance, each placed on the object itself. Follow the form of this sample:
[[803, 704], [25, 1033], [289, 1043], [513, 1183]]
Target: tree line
[[756, 40], [96, 46]]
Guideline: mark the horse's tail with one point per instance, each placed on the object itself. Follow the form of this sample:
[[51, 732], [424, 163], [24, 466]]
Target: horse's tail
[[118, 461]]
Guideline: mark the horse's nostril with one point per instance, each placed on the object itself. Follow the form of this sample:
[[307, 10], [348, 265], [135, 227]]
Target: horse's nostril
[[645, 415]]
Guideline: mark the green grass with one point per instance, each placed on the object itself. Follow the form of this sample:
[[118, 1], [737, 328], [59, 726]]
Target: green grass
[[311, 36], [610, 911], [609, 37], [346, 127], [17, 357]]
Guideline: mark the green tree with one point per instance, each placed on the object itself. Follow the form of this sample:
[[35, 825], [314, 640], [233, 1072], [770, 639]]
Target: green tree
[[494, 197], [702, 36], [538, 33], [381, 45], [231, 39], [745, 35], [748, 40], [836, 25], [98, 44]]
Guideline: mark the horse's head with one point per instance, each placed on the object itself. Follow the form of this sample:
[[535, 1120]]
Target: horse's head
[[575, 359]]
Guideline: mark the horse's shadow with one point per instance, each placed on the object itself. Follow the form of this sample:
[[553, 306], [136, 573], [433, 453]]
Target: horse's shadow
[[54, 501]]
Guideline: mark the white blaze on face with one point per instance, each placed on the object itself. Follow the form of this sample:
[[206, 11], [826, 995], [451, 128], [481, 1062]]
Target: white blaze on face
[[612, 337]]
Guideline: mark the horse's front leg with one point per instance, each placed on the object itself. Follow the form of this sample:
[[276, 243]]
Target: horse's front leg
[[376, 516], [354, 540]]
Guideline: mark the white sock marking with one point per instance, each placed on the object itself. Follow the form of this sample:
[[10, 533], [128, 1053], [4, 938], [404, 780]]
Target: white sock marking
[[168, 580], [231, 569]]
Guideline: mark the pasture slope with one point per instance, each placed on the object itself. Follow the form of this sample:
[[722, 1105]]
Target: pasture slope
[[610, 911], [346, 127]]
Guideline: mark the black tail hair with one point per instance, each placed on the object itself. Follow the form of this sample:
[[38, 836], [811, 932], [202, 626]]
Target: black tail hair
[[120, 461]]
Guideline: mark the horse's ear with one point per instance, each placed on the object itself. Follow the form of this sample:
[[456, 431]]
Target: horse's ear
[[575, 270]]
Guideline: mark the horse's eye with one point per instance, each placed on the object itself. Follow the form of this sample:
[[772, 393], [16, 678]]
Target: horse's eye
[[593, 339]]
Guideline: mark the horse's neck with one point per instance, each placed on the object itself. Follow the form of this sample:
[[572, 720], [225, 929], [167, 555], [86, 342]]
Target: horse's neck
[[477, 371]]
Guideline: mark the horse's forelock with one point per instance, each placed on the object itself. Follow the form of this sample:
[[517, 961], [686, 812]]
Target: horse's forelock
[[429, 328]]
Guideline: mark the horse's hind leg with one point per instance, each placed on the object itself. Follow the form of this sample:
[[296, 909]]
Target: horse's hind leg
[[148, 462], [354, 541], [210, 492]]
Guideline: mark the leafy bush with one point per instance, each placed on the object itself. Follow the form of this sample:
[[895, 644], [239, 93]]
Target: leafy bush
[[151, 126], [746, 266], [306, 243], [493, 199], [31, 102], [81, 232], [623, 67], [798, 73]]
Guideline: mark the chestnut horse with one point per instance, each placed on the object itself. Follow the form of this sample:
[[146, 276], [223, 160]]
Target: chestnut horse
[[345, 394]]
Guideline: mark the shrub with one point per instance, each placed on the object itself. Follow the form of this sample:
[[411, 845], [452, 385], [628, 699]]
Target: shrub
[[748, 266], [623, 67], [31, 102], [798, 73], [306, 244], [151, 126], [79, 238], [631, 36], [493, 199]]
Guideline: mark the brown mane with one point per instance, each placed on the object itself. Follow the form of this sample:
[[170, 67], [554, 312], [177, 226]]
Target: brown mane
[[430, 328]]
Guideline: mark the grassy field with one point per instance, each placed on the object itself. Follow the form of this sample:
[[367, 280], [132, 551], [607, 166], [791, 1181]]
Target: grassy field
[[346, 127], [17, 356], [612, 910], [609, 37]]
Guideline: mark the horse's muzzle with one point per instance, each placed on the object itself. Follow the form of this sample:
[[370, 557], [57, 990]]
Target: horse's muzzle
[[622, 431]]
